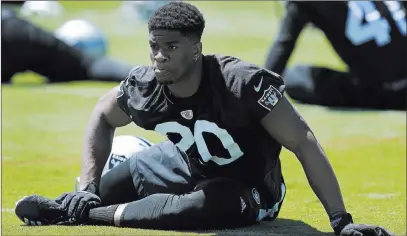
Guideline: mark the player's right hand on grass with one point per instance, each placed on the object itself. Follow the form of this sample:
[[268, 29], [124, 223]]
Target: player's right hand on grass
[[79, 203]]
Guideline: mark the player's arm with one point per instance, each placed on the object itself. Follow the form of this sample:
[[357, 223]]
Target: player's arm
[[285, 125], [291, 26], [105, 118], [263, 95]]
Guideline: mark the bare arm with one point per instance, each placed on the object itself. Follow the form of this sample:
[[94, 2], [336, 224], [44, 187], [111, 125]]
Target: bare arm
[[289, 128], [105, 118]]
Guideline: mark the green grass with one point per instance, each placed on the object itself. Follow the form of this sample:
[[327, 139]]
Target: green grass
[[43, 127]]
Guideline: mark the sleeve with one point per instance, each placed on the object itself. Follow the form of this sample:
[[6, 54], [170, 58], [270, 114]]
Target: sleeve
[[123, 95], [291, 25], [262, 92]]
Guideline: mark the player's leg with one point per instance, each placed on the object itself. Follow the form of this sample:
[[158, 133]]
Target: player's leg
[[321, 86], [116, 186], [161, 168], [30, 48], [218, 203], [394, 95], [324, 86]]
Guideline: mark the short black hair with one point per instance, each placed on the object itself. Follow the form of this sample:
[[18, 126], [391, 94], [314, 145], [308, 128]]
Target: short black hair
[[179, 16]]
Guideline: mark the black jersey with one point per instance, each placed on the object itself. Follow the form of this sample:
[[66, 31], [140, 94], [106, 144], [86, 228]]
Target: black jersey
[[219, 126], [369, 36]]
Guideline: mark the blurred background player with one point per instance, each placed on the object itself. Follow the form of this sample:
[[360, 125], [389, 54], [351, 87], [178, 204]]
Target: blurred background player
[[26, 47], [370, 37]]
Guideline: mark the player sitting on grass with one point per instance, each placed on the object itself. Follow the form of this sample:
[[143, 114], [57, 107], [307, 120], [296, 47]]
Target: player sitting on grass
[[226, 121]]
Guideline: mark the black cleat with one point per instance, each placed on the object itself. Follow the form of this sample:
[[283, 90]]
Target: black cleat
[[36, 210]]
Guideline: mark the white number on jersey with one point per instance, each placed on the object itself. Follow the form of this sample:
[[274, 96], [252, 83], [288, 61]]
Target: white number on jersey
[[376, 27], [201, 126]]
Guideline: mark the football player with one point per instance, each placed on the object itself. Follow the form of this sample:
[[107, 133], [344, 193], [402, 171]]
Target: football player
[[369, 36], [26, 47], [226, 121]]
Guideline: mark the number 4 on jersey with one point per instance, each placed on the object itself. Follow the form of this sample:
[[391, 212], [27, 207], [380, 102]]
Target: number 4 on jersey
[[376, 27]]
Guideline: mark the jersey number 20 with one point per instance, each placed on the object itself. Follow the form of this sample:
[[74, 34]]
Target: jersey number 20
[[189, 138], [376, 28]]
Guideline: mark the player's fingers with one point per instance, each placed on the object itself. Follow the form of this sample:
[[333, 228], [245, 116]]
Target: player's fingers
[[61, 198], [87, 206], [73, 206], [67, 199], [85, 203], [350, 232], [383, 232]]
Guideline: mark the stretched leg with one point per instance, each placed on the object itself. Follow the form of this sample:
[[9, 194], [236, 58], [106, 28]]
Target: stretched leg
[[218, 203], [116, 186], [321, 86], [28, 47], [327, 87], [161, 168]]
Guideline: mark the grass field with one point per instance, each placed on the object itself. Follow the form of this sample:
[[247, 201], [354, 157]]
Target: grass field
[[43, 127]]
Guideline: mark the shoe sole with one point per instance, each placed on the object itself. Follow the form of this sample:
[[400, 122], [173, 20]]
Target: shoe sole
[[29, 213]]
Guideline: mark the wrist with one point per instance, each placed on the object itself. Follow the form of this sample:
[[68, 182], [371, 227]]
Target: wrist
[[340, 220], [92, 188]]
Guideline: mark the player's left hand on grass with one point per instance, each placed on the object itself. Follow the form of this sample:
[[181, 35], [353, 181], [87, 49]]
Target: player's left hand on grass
[[364, 230], [343, 225]]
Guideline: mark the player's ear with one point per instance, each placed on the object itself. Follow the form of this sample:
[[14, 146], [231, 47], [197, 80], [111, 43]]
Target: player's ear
[[197, 50]]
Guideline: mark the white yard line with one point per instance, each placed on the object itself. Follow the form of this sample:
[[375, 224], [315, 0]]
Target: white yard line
[[7, 210]]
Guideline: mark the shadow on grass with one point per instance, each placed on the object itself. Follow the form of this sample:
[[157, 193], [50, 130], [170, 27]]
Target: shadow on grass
[[283, 227], [277, 227]]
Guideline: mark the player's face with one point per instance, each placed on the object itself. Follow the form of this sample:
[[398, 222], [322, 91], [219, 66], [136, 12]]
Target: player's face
[[172, 55]]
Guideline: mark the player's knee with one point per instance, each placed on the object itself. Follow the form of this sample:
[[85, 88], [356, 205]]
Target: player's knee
[[116, 186], [219, 203]]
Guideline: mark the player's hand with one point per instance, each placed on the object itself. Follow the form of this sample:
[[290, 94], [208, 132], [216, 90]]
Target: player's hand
[[92, 188], [343, 225], [79, 204], [364, 230]]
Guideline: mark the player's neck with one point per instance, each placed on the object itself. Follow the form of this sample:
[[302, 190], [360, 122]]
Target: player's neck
[[189, 85]]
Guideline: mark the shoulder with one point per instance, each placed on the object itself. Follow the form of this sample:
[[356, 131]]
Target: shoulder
[[141, 75], [140, 81], [239, 74], [232, 67], [139, 86]]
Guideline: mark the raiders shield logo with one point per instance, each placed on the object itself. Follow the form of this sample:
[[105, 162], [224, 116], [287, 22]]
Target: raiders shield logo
[[270, 98], [188, 114], [115, 160]]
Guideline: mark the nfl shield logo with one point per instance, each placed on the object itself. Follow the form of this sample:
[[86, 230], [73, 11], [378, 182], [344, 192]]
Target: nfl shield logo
[[188, 114]]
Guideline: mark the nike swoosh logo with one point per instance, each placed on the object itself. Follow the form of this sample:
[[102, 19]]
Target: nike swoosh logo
[[259, 85]]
